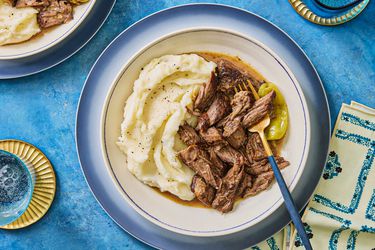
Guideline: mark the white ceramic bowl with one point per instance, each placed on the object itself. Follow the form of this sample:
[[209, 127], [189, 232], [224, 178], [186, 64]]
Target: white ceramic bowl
[[48, 38], [193, 220]]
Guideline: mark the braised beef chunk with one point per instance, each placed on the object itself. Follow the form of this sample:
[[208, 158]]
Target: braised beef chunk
[[260, 109], [261, 182], [188, 135], [203, 192], [219, 165], [219, 108], [56, 13], [206, 94], [254, 148], [30, 3], [235, 133], [229, 76], [246, 183], [212, 136], [262, 166], [241, 102], [199, 161], [226, 195], [229, 155]]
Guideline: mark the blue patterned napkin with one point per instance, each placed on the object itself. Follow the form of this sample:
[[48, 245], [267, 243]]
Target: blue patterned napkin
[[341, 213]]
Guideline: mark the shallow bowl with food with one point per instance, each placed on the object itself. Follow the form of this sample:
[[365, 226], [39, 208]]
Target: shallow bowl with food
[[182, 217], [47, 38]]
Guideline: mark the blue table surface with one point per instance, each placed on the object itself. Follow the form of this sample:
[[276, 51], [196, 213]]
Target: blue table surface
[[41, 109]]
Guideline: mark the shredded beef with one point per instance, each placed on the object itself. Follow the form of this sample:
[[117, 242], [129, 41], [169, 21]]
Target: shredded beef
[[235, 133], [254, 148], [58, 12], [212, 136], [229, 155], [261, 182], [259, 110], [246, 183], [229, 161], [203, 192], [262, 166], [199, 161], [230, 77], [226, 195], [206, 94], [241, 102], [188, 135], [219, 108], [221, 167]]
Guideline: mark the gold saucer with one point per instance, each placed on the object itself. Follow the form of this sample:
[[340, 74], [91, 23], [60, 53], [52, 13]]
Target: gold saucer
[[45, 182], [303, 10]]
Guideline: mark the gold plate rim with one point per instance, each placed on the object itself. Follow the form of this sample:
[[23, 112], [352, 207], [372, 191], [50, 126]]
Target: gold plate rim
[[20, 222], [300, 7]]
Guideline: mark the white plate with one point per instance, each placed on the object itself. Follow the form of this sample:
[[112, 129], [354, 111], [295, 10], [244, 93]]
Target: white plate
[[201, 221], [48, 38]]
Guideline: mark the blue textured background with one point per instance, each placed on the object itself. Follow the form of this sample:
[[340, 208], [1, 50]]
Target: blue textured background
[[41, 109]]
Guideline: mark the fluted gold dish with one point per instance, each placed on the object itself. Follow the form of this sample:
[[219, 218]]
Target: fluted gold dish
[[45, 182], [303, 10]]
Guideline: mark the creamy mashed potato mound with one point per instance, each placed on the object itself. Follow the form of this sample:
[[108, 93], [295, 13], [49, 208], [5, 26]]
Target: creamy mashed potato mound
[[17, 25], [152, 116]]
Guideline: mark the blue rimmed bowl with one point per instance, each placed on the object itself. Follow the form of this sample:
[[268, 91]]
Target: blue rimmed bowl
[[47, 38], [202, 221], [89, 124]]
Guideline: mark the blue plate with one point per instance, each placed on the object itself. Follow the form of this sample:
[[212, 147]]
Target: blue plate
[[109, 64], [60, 52]]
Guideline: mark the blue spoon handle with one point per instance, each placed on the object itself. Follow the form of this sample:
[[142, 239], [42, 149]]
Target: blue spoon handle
[[289, 203]]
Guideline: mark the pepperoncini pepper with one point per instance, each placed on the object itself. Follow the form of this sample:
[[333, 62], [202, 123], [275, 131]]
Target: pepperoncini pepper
[[279, 123]]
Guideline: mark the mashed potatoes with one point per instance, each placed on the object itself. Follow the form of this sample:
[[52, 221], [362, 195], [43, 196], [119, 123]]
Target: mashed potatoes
[[152, 116], [17, 25]]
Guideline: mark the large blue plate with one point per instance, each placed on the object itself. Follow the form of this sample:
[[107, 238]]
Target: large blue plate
[[108, 65], [61, 51]]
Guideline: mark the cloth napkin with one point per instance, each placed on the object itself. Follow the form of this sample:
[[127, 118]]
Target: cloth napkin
[[341, 213]]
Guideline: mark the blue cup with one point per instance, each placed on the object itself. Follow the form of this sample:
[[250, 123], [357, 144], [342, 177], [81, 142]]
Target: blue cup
[[17, 181]]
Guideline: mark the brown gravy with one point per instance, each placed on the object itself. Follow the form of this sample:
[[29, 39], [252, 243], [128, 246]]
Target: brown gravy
[[172, 197]]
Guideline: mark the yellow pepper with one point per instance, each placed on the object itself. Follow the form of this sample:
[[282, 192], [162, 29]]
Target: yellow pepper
[[78, 2], [279, 123]]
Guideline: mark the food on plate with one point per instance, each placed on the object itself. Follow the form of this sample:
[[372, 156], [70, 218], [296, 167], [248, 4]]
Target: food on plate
[[20, 20], [185, 128], [57, 12], [17, 25], [152, 116]]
